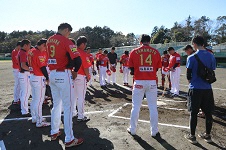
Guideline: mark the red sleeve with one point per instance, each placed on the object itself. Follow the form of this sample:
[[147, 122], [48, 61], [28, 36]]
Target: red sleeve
[[23, 57], [172, 62], [131, 60], [86, 62], [72, 49]]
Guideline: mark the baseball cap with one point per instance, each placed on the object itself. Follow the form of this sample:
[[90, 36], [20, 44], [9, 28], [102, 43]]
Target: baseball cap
[[105, 52], [41, 41], [18, 43], [170, 48], [187, 47]]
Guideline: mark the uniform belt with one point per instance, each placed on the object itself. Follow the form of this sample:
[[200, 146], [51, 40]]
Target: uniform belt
[[60, 70]]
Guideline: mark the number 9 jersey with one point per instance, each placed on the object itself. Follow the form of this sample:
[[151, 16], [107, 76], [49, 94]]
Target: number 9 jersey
[[145, 60]]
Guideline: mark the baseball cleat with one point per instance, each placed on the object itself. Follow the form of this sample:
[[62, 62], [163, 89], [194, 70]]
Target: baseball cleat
[[33, 121], [205, 137], [55, 136], [16, 103], [43, 124], [190, 138], [131, 133], [83, 119], [26, 115], [74, 142]]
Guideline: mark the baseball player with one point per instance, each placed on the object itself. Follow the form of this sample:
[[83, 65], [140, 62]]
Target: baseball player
[[24, 77], [165, 63], [144, 62], [174, 68], [39, 78], [59, 47], [112, 56], [103, 62], [82, 78], [15, 66], [97, 58], [124, 67], [92, 71]]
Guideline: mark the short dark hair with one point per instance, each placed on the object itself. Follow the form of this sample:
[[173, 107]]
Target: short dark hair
[[24, 41], [165, 52], [41, 41], [63, 26], [72, 40], [113, 48], [100, 49], [105, 52], [188, 47], [18, 43], [199, 40], [170, 48], [80, 40], [126, 52], [145, 38], [87, 48]]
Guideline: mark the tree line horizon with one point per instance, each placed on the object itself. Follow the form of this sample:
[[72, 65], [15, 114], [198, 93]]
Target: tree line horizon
[[213, 31]]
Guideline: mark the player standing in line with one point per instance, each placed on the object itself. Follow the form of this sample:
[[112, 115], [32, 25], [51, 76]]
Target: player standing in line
[[61, 82], [124, 67], [200, 93], [39, 78], [24, 77], [112, 56], [81, 81], [100, 52], [144, 62], [165, 63], [174, 68], [92, 71], [103, 62], [16, 67]]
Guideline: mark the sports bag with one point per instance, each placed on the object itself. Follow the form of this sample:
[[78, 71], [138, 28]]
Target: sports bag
[[204, 72]]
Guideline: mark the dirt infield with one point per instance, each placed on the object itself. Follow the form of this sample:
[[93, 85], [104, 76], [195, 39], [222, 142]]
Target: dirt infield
[[109, 111]]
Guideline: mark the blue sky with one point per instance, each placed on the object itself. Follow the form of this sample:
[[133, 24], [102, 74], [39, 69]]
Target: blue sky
[[137, 16]]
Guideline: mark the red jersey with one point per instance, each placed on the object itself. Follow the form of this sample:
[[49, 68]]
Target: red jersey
[[58, 49], [14, 56], [174, 59], [91, 57], [103, 60], [85, 62], [125, 60], [145, 60], [37, 59], [97, 55], [22, 57], [165, 60]]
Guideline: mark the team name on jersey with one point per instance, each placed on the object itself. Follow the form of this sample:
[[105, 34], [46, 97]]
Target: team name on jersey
[[146, 50], [52, 61], [55, 41], [145, 69]]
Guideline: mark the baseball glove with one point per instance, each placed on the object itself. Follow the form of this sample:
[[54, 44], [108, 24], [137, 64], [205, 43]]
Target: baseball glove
[[108, 72]]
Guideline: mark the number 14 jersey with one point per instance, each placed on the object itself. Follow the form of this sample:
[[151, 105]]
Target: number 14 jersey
[[145, 60]]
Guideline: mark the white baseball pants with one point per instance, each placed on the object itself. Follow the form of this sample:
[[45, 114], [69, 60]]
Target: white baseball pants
[[149, 88], [38, 88], [92, 77], [62, 88], [102, 75], [112, 76], [125, 74], [175, 80], [25, 91], [80, 92], [16, 93]]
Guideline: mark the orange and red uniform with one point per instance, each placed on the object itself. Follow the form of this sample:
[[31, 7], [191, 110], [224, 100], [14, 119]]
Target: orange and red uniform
[[85, 62], [125, 60], [103, 60], [14, 56], [58, 48], [145, 60]]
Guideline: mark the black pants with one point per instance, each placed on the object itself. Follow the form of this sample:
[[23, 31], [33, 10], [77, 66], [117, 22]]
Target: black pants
[[200, 98]]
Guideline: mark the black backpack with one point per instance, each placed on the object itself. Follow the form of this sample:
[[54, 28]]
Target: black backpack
[[204, 72]]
